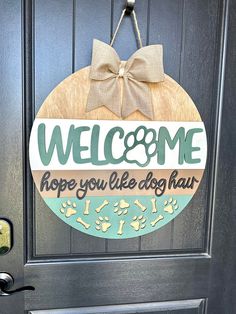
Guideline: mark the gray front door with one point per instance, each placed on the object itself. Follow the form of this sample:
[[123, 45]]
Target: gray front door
[[189, 265]]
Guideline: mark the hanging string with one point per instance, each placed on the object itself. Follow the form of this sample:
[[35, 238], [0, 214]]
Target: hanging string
[[136, 27]]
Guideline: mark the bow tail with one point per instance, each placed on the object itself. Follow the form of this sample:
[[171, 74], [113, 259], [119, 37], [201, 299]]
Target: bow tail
[[104, 93], [136, 96]]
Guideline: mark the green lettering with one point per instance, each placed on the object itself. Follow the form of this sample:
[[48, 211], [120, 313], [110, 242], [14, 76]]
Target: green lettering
[[108, 145], [164, 137], [189, 148], [185, 145], [95, 147], [73, 142]]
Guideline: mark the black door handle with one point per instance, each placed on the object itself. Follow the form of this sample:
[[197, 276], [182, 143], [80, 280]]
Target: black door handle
[[6, 282]]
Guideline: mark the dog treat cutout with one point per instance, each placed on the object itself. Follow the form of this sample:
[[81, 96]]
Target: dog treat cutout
[[116, 152]]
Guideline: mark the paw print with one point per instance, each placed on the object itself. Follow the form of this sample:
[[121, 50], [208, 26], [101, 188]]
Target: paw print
[[140, 146], [103, 224], [121, 208], [170, 205], [139, 222], [68, 208], [120, 212]]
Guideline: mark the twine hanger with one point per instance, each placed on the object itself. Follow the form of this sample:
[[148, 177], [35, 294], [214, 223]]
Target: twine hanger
[[143, 67], [129, 11]]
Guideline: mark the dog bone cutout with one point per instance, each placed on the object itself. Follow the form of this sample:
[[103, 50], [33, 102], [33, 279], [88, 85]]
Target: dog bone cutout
[[70, 212], [120, 230], [83, 223], [105, 203], [154, 222], [86, 209], [143, 208], [154, 207]]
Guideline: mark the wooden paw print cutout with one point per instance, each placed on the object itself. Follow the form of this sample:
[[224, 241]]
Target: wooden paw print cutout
[[103, 223], [121, 208], [68, 208]]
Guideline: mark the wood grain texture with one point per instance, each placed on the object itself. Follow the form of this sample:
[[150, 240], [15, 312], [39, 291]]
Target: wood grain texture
[[170, 102], [68, 101]]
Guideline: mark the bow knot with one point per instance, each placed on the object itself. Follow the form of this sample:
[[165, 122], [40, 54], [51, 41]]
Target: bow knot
[[144, 66], [122, 69]]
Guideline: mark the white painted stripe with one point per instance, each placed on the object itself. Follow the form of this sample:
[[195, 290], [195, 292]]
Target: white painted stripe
[[199, 140]]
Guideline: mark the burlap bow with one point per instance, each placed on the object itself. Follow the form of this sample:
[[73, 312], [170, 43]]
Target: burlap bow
[[145, 65]]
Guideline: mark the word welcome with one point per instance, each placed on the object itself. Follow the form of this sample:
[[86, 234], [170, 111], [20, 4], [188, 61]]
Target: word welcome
[[142, 141]]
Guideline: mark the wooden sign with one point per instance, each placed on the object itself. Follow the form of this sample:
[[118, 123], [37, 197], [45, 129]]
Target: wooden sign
[[111, 177]]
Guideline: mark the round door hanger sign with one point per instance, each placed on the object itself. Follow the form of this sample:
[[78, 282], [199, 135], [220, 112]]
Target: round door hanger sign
[[117, 177]]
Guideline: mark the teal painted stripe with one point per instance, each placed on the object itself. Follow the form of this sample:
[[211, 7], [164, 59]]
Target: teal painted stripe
[[135, 214]]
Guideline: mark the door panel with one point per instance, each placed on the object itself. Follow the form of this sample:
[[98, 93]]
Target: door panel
[[64, 32], [188, 266], [97, 271], [175, 307], [99, 282]]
